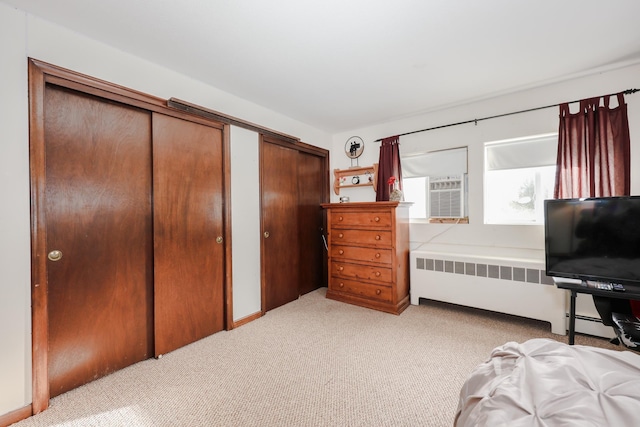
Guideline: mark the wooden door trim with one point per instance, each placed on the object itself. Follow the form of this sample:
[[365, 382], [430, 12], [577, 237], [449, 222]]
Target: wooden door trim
[[39, 288], [103, 89], [226, 188], [227, 119], [263, 294], [299, 146], [40, 74]]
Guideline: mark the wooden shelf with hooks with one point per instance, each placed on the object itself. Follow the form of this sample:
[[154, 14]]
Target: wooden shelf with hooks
[[367, 175]]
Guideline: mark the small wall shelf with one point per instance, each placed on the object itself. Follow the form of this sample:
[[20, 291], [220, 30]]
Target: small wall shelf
[[343, 177]]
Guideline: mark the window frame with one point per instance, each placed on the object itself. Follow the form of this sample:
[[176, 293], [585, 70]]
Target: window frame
[[462, 172], [538, 162]]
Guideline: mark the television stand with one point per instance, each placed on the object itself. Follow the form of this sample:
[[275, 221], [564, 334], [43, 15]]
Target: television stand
[[593, 288]]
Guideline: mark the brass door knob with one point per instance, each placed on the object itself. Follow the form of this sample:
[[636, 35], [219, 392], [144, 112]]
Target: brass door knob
[[266, 234], [219, 239], [55, 255]]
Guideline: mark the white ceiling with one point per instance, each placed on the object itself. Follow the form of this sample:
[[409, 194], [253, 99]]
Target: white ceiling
[[342, 64]]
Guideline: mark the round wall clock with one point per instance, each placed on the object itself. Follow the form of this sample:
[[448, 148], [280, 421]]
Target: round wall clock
[[354, 147]]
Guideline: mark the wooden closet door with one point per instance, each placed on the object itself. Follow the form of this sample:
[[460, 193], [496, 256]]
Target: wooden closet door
[[311, 193], [187, 220], [280, 247], [98, 216]]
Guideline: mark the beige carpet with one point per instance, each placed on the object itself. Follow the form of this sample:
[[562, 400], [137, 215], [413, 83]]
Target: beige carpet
[[313, 362]]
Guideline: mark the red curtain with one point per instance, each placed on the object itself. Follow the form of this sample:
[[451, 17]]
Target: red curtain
[[593, 156], [388, 166], [593, 150]]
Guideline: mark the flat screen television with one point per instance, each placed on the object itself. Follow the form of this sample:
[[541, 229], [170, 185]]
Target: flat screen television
[[595, 239]]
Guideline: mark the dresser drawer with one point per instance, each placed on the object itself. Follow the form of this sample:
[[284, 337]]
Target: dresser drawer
[[360, 219], [377, 255], [366, 237], [362, 272], [365, 290]]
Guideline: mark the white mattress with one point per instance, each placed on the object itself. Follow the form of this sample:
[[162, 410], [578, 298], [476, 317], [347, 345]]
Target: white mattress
[[546, 383]]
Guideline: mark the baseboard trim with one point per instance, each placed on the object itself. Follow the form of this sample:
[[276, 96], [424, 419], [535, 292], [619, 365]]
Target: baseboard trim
[[246, 319], [15, 416]]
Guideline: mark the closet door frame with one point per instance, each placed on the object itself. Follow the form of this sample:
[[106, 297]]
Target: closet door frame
[[41, 74]]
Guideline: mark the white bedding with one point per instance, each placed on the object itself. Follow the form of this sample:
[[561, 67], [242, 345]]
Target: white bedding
[[546, 383]]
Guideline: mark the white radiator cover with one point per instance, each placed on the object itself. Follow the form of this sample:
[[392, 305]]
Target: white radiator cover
[[506, 280]]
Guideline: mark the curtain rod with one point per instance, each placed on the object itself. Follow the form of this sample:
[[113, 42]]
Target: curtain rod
[[626, 92]]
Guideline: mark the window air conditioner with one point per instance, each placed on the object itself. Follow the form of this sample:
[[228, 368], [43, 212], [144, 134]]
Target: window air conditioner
[[446, 197]]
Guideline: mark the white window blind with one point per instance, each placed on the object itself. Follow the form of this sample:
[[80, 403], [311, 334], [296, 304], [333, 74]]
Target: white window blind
[[522, 153], [435, 163]]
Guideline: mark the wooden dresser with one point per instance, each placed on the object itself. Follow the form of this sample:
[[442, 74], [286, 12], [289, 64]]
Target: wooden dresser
[[369, 254]]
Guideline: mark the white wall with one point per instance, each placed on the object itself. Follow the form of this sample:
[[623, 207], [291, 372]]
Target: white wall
[[15, 290], [245, 218], [474, 136], [23, 36]]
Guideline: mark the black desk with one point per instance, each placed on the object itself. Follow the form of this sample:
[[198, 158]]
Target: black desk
[[630, 292]]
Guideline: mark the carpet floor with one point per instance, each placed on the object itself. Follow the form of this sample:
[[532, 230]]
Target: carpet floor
[[312, 362]]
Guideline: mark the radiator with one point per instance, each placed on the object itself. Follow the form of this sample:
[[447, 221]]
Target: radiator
[[504, 280]]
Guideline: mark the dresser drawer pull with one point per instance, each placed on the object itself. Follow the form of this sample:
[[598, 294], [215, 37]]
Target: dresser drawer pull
[[378, 237], [340, 218], [377, 274], [376, 219], [341, 235], [340, 268], [341, 252], [378, 291], [341, 285], [378, 255]]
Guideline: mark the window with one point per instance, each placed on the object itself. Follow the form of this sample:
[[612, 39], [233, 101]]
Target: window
[[436, 183], [519, 175]]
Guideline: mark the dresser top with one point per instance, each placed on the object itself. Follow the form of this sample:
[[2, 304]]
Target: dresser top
[[366, 205]]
